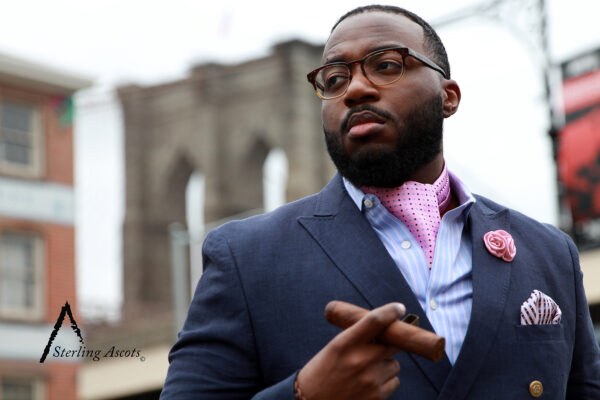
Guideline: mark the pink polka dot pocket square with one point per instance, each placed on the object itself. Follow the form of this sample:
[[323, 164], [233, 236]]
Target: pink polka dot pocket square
[[540, 309]]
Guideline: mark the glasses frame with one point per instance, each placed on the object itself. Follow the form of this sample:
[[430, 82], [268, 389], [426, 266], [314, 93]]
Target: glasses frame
[[404, 52]]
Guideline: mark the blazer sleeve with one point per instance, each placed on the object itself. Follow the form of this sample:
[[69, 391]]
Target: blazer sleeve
[[584, 378], [215, 355]]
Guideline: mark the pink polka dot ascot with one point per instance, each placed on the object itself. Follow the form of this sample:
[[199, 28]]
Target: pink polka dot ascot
[[419, 206]]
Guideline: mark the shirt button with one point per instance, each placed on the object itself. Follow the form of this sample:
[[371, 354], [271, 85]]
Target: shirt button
[[405, 244], [368, 203], [433, 304]]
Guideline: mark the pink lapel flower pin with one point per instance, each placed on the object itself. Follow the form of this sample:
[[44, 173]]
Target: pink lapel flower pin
[[501, 244]]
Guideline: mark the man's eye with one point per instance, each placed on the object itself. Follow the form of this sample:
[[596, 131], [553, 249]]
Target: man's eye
[[335, 81], [388, 66]]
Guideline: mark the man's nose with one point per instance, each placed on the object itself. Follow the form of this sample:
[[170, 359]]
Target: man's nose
[[360, 89]]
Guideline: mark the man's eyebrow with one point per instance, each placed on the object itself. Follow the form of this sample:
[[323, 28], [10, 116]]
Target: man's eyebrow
[[340, 58]]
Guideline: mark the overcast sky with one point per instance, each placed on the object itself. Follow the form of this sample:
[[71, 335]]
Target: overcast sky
[[497, 142]]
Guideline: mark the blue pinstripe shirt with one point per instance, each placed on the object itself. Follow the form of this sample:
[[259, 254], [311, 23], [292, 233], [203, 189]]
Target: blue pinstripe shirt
[[445, 292]]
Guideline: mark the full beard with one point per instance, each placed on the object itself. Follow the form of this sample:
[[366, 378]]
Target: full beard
[[419, 141]]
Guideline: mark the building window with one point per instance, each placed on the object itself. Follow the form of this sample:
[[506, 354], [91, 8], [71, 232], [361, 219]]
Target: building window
[[21, 389], [20, 275], [20, 138]]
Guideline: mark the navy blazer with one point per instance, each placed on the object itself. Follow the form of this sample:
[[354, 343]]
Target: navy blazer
[[257, 314]]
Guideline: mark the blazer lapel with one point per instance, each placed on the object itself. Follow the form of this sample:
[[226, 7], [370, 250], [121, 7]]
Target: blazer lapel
[[346, 237], [491, 278]]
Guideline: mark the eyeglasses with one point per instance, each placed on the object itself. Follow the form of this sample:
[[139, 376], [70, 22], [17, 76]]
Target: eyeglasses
[[382, 67]]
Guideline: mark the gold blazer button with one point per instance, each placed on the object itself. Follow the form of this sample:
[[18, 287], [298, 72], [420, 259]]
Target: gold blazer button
[[536, 389]]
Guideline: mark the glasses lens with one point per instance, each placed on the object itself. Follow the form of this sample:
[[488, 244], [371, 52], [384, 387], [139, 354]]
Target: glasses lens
[[331, 81], [384, 67]]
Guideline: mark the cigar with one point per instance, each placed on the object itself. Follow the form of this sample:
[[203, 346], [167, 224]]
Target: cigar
[[399, 334]]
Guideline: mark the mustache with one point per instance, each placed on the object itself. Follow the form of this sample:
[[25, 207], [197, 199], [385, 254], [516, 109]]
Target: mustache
[[365, 107]]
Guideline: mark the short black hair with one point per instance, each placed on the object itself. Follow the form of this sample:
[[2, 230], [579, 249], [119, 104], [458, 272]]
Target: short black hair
[[433, 43]]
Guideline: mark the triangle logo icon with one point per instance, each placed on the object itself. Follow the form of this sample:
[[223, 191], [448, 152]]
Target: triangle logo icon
[[65, 311]]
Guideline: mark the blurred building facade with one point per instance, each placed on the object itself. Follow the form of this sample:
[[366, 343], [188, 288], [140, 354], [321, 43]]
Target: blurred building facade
[[221, 122], [37, 233], [578, 165]]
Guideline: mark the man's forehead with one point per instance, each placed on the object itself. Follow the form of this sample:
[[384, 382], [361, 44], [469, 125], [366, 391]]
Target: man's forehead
[[371, 30]]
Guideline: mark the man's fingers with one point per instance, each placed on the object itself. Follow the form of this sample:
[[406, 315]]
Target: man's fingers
[[373, 323], [388, 372], [380, 351], [389, 387], [389, 351], [387, 369]]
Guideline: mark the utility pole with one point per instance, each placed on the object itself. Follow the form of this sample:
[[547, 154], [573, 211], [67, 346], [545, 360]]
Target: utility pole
[[184, 276], [179, 240]]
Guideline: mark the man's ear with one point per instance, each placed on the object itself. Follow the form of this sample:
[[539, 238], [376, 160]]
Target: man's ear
[[451, 96]]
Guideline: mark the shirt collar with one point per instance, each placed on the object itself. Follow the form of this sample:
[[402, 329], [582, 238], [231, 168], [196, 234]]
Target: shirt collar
[[463, 194], [441, 188]]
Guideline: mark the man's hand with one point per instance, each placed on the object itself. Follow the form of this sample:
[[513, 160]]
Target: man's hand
[[352, 365]]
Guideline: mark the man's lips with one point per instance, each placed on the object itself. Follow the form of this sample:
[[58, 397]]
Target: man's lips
[[364, 123]]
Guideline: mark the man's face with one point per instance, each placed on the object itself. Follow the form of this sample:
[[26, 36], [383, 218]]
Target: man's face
[[383, 135]]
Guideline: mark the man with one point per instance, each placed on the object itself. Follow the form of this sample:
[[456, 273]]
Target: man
[[395, 232]]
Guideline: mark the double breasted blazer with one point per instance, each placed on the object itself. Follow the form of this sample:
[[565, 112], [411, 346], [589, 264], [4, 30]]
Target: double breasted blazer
[[257, 314]]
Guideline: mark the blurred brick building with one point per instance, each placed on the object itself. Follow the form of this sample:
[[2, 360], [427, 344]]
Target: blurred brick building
[[37, 233]]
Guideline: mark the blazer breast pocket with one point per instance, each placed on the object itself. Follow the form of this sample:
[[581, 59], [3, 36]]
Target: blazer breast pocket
[[540, 333]]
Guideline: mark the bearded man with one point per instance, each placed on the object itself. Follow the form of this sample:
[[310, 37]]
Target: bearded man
[[394, 231]]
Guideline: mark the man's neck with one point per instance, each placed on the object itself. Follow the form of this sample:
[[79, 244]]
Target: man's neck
[[430, 172]]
